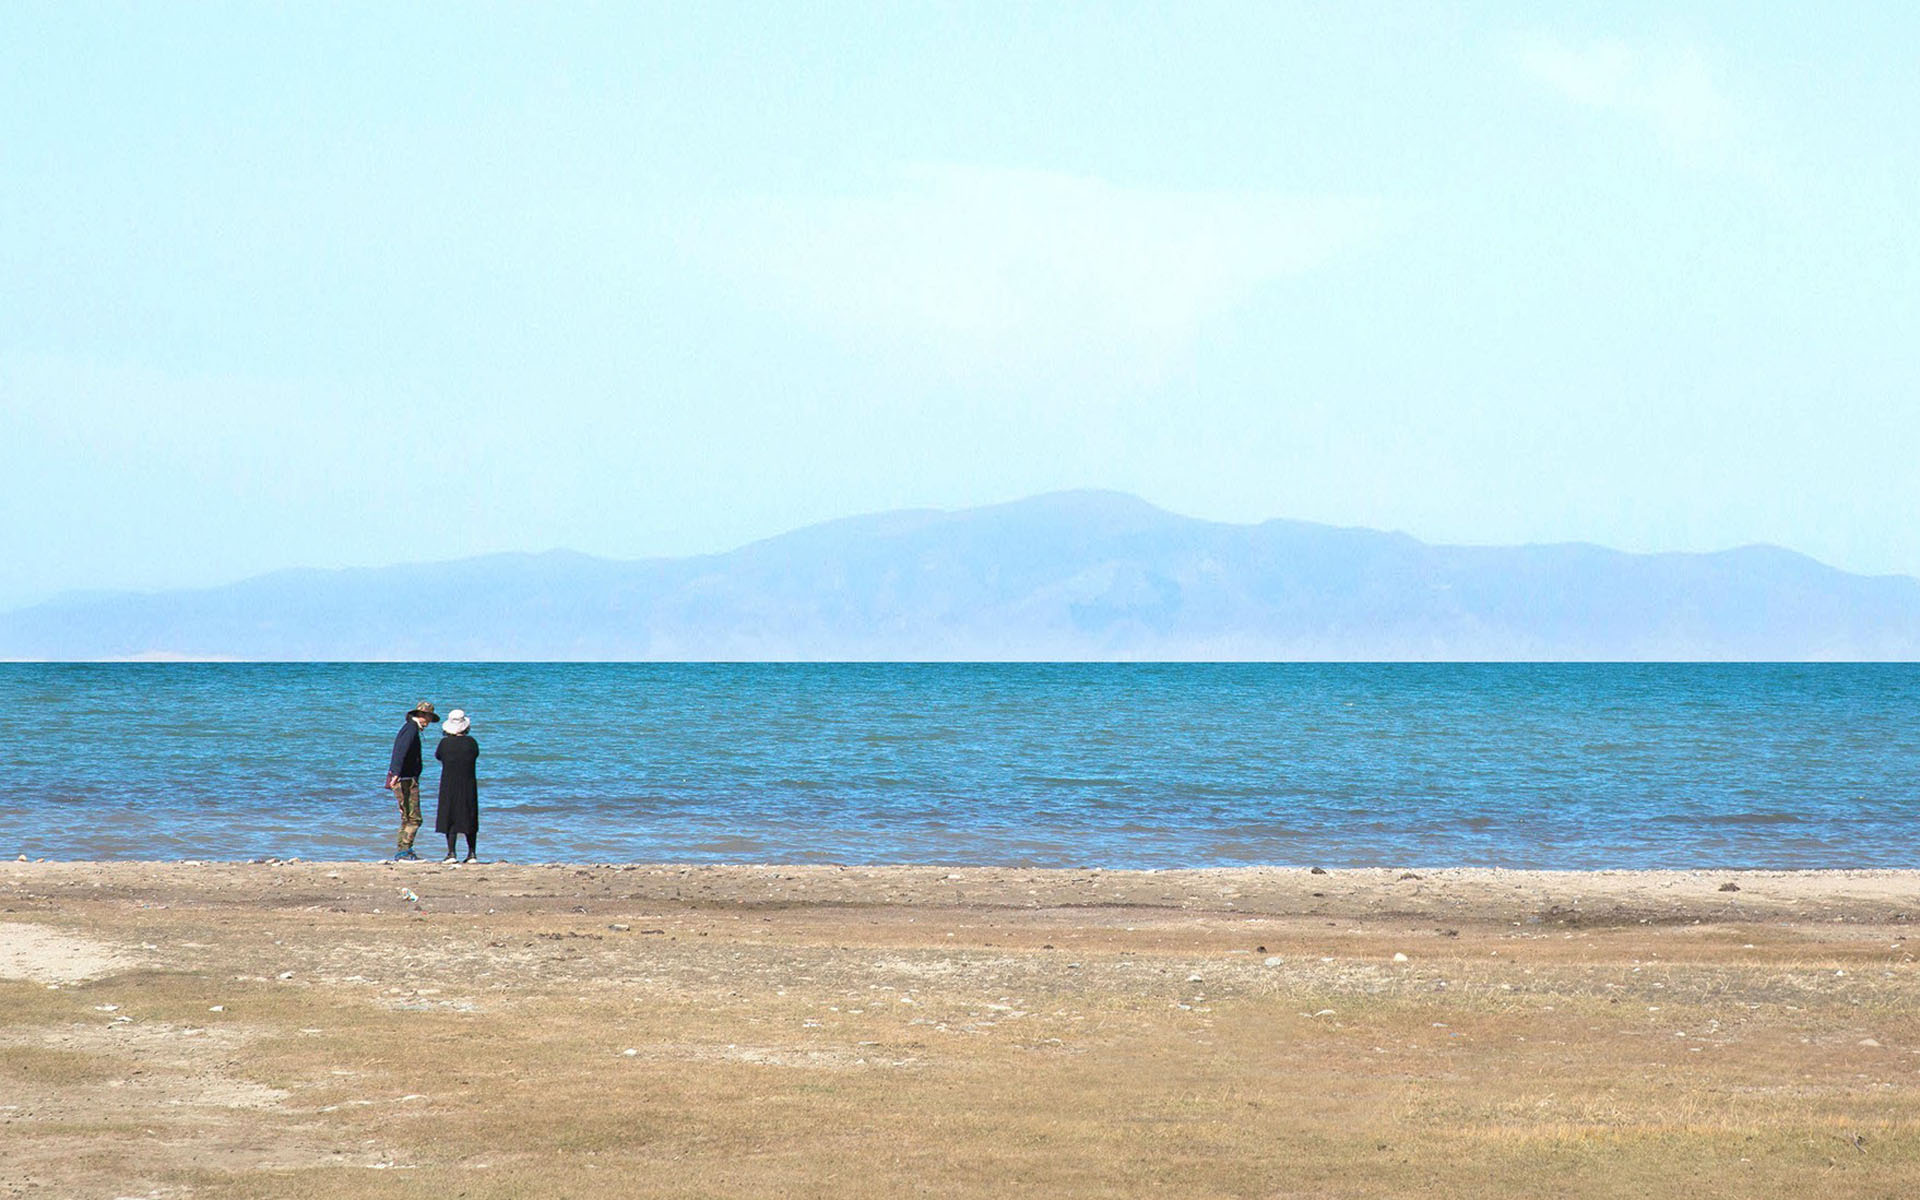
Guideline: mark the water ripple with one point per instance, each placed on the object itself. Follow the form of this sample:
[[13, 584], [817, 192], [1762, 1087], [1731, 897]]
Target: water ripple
[[1121, 765]]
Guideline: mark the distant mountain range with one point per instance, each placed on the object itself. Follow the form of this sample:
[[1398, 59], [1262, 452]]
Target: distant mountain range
[[1074, 575]]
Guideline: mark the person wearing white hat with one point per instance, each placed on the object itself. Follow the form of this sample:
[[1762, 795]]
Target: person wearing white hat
[[459, 808]]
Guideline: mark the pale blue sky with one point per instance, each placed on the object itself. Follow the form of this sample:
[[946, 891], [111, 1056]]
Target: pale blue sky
[[323, 285]]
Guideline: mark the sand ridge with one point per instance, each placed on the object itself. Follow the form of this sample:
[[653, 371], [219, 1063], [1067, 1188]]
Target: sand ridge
[[40, 955]]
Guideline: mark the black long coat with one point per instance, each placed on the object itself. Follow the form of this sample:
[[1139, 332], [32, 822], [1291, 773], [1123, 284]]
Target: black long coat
[[459, 810]]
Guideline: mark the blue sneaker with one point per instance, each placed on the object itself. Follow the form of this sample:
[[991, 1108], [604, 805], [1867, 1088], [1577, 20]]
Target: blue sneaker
[[406, 856]]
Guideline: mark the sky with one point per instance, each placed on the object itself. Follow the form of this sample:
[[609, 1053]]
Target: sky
[[328, 285]]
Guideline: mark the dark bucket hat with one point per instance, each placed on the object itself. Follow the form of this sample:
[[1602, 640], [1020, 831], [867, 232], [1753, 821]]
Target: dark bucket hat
[[425, 709]]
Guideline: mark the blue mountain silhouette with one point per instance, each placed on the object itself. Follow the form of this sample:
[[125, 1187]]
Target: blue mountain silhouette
[[1072, 575]]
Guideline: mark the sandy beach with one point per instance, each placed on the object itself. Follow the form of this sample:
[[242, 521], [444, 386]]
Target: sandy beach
[[332, 1029]]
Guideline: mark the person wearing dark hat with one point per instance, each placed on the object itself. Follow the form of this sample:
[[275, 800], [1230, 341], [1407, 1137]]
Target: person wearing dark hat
[[403, 775]]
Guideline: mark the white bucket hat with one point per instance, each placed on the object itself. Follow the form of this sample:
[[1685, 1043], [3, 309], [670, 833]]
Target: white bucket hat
[[456, 722]]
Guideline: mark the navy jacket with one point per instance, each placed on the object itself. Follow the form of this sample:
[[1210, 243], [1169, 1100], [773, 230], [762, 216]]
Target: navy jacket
[[406, 752]]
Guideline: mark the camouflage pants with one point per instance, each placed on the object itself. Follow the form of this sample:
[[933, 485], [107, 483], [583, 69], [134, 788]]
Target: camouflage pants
[[407, 791]]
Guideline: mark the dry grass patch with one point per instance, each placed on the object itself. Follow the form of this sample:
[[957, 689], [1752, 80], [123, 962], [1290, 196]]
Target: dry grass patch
[[46, 1067]]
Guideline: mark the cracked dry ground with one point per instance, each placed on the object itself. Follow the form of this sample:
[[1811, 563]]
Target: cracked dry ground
[[203, 1030]]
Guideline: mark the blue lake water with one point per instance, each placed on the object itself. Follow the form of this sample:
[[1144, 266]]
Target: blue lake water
[[1163, 765]]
